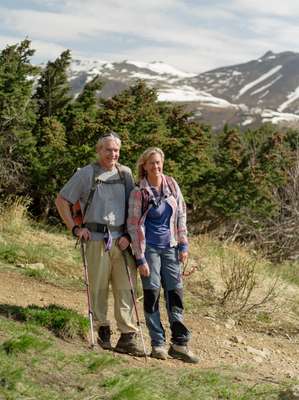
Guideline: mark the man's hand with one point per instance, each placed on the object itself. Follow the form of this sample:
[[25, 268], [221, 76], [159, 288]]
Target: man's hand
[[123, 242], [183, 256], [144, 270], [83, 233]]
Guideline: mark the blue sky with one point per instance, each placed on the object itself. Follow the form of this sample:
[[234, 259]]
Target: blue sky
[[194, 36]]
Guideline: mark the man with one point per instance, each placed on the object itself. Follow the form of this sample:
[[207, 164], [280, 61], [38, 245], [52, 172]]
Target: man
[[103, 190]]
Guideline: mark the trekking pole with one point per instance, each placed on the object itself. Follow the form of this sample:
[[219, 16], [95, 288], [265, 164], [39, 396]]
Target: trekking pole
[[134, 303], [86, 281]]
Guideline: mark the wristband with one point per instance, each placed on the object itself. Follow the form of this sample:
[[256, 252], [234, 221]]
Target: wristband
[[73, 230]]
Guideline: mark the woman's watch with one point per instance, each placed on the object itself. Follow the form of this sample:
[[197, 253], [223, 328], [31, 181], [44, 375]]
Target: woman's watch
[[74, 230]]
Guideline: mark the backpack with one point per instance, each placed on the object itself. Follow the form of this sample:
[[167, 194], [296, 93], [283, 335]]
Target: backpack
[[145, 194], [76, 211]]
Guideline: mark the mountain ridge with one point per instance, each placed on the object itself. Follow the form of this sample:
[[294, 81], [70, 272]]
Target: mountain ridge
[[265, 89]]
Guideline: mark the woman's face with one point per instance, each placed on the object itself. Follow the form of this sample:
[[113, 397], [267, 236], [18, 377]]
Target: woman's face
[[154, 166]]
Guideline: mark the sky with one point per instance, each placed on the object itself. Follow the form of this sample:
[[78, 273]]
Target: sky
[[192, 35]]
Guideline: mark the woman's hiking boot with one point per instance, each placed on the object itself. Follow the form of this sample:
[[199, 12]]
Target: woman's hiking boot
[[182, 353], [104, 337], [159, 352], [127, 344]]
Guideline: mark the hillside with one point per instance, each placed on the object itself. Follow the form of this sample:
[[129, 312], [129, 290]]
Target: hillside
[[247, 350], [261, 90]]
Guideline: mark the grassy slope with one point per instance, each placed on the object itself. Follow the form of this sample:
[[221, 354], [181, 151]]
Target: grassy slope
[[35, 364]]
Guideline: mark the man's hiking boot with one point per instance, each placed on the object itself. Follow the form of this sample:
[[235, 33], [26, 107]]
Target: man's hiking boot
[[182, 353], [159, 352], [104, 337], [127, 344]]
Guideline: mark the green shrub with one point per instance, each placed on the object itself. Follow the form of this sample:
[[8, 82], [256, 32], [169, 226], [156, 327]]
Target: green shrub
[[63, 322], [24, 343]]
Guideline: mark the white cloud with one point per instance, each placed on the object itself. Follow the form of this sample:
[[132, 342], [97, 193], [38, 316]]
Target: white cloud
[[285, 8], [187, 34], [44, 25], [44, 50]]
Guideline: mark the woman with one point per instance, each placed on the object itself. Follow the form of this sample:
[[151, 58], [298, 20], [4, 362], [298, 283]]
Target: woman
[[157, 226]]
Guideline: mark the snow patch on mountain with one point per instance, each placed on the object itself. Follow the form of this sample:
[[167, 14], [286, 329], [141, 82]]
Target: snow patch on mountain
[[257, 81], [291, 98], [248, 121], [141, 75], [162, 68], [261, 89], [87, 65], [188, 93], [276, 117]]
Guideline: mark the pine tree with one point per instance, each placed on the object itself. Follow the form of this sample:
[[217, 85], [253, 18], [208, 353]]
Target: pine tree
[[49, 169], [135, 114], [81, 116], [17, 116], [53, 90], [52, 97]]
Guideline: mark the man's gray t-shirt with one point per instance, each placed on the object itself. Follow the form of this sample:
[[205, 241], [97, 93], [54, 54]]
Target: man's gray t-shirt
[[109, 201]]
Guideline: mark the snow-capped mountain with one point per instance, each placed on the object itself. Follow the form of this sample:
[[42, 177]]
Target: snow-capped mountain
[[120, 75], [266, 89]]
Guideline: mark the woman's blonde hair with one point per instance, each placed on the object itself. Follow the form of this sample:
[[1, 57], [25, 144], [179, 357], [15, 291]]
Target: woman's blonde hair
[[141, 173]]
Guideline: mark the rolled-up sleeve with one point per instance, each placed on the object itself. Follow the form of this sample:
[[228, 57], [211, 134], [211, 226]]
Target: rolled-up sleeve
[[133, 224], [73, 189], [181, 220]]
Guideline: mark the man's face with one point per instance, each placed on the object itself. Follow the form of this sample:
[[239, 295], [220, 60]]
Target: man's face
[[108, 153]]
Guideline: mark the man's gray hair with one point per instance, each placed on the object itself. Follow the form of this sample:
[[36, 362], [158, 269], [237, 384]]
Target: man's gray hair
[[109, 136]]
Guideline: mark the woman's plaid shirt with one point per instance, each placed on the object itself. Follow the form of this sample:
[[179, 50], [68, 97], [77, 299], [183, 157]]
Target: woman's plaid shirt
[[135, 222]]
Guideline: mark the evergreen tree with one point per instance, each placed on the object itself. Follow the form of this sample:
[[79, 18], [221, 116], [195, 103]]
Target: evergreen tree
[[50, 168], [81, 116], [53, 90], [227, 187], [82, 126], [17, 116], [136, 115]]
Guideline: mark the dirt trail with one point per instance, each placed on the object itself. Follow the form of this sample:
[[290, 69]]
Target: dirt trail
[[219, 345]]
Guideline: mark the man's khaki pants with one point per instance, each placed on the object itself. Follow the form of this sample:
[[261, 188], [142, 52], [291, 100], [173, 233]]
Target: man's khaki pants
[[103, 268]]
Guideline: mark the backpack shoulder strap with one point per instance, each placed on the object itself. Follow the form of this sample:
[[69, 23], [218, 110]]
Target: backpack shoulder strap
[[145, 194], [92, 189], [144, 200], [121, 173], [172, 186], [123, 179]]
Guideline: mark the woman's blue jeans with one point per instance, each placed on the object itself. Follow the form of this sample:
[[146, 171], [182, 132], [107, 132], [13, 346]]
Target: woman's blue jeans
[[164, 271]]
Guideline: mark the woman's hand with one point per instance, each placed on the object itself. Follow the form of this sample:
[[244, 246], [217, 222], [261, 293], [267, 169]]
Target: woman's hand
[[144, 270], [183, 256], [123, 242]]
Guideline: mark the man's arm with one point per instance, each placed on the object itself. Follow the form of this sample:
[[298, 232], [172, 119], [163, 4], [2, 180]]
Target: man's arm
[[124, 241], [64, 209]]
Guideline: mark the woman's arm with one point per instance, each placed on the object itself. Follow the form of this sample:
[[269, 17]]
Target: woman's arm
[[135, 231]]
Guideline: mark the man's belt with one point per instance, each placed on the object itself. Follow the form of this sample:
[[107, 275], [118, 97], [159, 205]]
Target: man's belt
[[103, 228]]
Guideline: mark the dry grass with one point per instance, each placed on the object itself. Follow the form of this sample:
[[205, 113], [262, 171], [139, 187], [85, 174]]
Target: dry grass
[[231, 281], [217, 265], [24, 241]]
